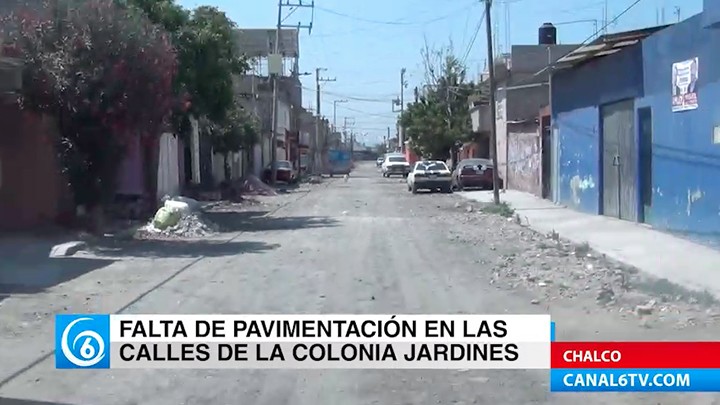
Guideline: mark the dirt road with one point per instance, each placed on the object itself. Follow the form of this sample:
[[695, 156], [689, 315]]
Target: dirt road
[[365, 246]]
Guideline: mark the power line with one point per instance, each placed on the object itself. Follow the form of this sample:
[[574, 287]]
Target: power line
[[583, 43], [395, 22], [366, 100], [387, 115], [606, 25], [474, 38]]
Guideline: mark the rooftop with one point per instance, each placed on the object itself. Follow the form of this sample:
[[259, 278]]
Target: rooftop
[[605, 45]]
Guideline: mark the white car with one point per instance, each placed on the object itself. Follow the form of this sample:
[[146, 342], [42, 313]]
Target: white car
[[430, 175], [395, 164]]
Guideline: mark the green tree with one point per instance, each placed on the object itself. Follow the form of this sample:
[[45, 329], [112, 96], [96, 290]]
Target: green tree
[[208, 56], [236, 132], [440, 116]]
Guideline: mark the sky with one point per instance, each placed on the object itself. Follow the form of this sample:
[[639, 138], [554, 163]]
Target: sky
[[364, 44]]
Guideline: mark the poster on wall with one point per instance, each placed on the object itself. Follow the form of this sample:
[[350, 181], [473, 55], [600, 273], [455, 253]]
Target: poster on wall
[[684, 85]]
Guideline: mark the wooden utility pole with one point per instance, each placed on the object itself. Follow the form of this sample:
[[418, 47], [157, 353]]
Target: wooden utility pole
[[491, 82]]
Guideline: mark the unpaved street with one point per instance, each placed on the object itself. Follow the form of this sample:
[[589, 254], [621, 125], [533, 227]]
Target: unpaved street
[[365, 246]]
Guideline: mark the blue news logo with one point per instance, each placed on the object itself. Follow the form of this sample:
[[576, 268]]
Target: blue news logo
[[82, 341]]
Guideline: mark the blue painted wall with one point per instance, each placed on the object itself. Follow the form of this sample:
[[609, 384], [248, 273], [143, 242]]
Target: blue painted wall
[[711, 13], [577, 95], [579, 158], [686, 161]]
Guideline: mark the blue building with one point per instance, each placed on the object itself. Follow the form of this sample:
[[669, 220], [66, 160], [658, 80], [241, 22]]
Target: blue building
[[636, 126]]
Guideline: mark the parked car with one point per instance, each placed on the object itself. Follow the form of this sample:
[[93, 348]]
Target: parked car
[[395, 164], [474, 173], [379, 161], [285, 172], [431, 175]]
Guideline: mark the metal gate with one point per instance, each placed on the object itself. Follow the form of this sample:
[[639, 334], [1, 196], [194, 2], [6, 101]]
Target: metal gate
[[619, 161]]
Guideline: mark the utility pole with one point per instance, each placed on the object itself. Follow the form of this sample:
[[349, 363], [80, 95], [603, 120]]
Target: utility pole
[[277, 71], [491, 82], [317, 156], [344, 131], [335, 103], [401, 103], [402, 108]]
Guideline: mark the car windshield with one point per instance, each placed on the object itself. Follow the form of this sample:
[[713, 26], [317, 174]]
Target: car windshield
[[471, 164], [283, 164], [430, 166], [396, 159]]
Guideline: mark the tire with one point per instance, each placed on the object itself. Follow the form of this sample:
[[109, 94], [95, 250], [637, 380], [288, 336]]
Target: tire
[[447, 189], [414, 189]]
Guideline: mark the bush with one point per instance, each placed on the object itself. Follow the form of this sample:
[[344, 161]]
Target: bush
[[106, 73]]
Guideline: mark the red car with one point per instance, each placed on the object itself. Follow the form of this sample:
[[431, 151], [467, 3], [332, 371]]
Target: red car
[[285, 172], [474, 173]]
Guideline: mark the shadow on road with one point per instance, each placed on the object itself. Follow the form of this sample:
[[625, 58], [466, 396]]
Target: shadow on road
[[251, 222], [11, 401], [176, 248], [26, 268]]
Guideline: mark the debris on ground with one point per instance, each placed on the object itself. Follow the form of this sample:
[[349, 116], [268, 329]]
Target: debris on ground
[[179, 217], [314, 179], [252, 185], [557, 270], [192, 225]]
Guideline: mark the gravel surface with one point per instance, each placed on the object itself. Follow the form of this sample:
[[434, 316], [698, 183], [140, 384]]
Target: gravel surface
[[554, 270], [365, 246]]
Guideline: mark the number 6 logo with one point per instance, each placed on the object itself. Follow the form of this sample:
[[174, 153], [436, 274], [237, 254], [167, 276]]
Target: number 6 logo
[[90, 356]]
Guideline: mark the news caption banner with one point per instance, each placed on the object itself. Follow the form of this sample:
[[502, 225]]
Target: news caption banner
[[635, 367], [302, 341]]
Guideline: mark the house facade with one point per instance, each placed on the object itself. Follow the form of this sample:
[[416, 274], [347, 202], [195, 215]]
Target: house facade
[[643, 145], [522, 91]]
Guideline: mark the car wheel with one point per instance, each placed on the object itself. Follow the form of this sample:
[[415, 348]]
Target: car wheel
[[414, 189], [447, 189]]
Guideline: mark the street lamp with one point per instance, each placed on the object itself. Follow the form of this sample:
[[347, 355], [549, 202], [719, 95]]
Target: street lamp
[[335, 103]]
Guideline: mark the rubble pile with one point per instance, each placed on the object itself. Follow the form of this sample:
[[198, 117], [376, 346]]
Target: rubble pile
[[179, 217], [554, 270], [254, 186], [192, 225]]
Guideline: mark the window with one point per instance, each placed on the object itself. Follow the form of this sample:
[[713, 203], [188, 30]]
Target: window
[[475, 163], [281, 164], [396, 159], [430, 166]]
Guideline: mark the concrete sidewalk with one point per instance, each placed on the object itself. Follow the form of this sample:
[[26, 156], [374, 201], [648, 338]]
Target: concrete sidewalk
[[665, 256]]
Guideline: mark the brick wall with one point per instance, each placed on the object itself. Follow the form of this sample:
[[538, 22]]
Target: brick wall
[[32, 192]]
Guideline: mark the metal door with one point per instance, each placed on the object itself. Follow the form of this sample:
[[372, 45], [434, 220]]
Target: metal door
[[619, 161]]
